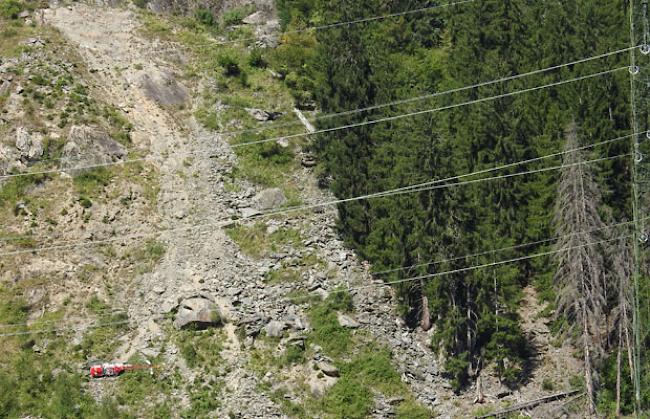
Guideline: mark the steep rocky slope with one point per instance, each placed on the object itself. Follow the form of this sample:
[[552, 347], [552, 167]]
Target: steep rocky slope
[[293, 317]]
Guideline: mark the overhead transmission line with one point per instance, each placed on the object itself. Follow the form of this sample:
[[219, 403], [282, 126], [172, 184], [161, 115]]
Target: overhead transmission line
[[435, 94], [63, 329], [388, 283], [350, 22], [222, 223], [432, 110], [501, 249], [482, 266], [448, 179], [106, 312], [343, 127]]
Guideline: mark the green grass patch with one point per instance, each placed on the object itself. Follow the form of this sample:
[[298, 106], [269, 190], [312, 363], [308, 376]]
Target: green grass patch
[[18, 240], [91, 183], [410, 409], [101, 342], [148, 255], [327, 333], [15, 189], [373, 368], [255, 241], [347, 399], [266, 164], [236, 15], [10, 9], [201, 348], [204, 399]]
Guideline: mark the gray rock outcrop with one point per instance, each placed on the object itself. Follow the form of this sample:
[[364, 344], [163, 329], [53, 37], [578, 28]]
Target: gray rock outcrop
[[29, 145], [87, 145]]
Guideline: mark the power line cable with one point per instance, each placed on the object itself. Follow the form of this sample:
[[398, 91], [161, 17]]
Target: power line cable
[[349, 22], [420, 277], [63, 329], [28, 324], [428, 111], [502, 249], [486, 265], [435, 94], [223, 223], [348, 126]]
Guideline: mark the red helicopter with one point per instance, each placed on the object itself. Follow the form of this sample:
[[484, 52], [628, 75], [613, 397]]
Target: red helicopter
[[102, 370]]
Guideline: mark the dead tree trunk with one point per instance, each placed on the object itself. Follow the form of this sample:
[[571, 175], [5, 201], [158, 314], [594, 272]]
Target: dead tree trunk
[[581, 266], [621, 273]]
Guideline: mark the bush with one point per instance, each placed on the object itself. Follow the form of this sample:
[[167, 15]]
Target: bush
[[234, 16], [10, 9], [204, 16], [256, 59], [142, 4], [230, 64], [294, 354]]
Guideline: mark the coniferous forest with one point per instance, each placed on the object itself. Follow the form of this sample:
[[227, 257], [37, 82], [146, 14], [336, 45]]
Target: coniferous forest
[[585, 198]]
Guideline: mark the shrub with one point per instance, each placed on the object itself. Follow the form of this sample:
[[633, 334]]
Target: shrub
[[327, 332], [230, 64], [256, 59], [15, 188], [234, 16], [85, 202], [204, 16], [10, 9], [142, 4]]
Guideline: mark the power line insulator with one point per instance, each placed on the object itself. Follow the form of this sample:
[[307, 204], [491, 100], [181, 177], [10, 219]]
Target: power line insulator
[[638, 157], [634, 69], [645, 49], [643, 237]]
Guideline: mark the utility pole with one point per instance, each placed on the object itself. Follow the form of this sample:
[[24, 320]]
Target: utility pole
[[640, 170]]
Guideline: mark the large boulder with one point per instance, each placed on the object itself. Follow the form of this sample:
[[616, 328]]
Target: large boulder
[[88, 146], [199, 313], [269, 199]]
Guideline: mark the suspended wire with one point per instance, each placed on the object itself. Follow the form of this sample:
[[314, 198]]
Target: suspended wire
[[105, 312], [417, 278], [63, 329], [223, 223], [435, 94], [467, 182], [350, 22], [439, 181], [428, 111], [354, 125], [502, 249], [486, 265]]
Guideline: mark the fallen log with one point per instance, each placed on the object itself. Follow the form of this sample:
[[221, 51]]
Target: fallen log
[[528, 404]]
